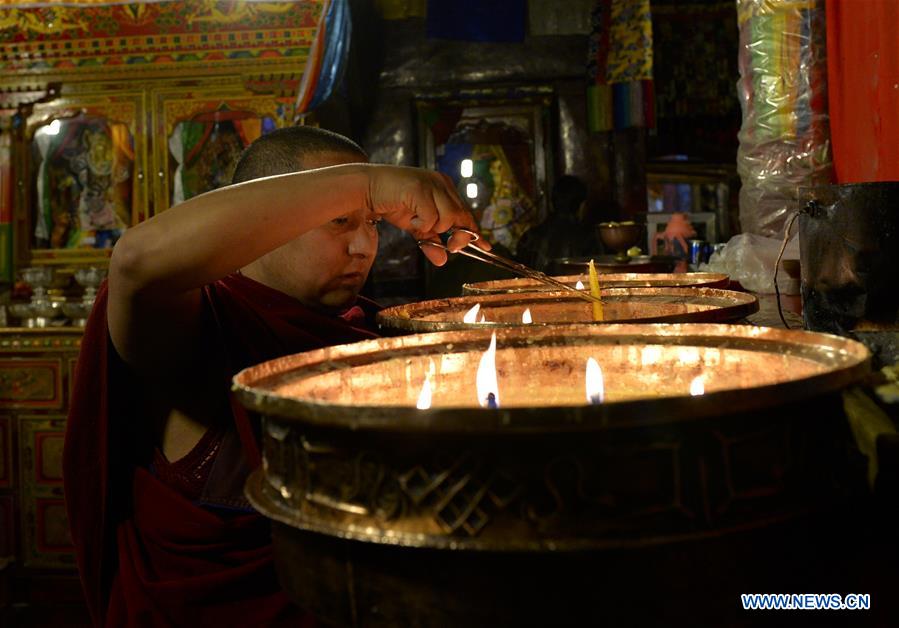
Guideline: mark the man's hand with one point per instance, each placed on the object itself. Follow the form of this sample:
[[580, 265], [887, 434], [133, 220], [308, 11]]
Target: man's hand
[[425, 204]]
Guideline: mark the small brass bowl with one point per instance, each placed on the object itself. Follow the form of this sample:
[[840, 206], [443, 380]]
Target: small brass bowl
[[619, 237]]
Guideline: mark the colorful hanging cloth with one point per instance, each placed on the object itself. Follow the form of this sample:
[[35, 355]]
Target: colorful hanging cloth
[[619, 66], [328, 58]]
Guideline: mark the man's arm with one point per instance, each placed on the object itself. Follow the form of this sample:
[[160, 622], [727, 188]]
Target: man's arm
[[159, 266]]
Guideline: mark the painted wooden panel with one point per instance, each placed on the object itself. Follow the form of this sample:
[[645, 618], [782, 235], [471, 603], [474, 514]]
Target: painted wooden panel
[[44, 533], [7, 528], [31, 383], [52, 529], [70, 388], [136, 39], [5, 452]]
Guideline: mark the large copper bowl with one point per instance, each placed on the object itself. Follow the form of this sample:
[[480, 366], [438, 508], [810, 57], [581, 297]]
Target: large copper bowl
[[610, 280], [548, 509], [620, 305]]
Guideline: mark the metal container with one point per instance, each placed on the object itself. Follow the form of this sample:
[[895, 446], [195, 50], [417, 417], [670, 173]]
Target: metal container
[[610, 280], [849, 249], [647, 305], [608, 264], [699, 252], [619, 237], [548, 509]]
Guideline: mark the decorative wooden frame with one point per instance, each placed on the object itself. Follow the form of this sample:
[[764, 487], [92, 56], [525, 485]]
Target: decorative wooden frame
[[92, 52], [6, 465], [513, 106], [174, 104], [121, 106], [502, 111]]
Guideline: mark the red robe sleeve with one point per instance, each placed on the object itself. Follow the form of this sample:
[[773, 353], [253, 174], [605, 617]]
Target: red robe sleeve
[[86, 462]]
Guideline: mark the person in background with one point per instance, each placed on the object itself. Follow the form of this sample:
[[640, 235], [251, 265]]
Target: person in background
[[562, 234], [157, 451]]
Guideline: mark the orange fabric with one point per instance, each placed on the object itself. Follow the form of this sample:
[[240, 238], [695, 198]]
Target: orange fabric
[[863, 89]]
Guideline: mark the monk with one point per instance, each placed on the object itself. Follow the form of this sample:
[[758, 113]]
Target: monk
[[156, 450]]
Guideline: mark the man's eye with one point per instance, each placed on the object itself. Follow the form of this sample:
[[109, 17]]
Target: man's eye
[[375, 221], [340, 221]]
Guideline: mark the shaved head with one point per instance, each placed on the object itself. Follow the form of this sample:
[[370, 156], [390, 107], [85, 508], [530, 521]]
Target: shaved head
[[287, 150]]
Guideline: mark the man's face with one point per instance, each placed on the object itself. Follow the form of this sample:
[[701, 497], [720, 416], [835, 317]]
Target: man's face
[[325, 268]]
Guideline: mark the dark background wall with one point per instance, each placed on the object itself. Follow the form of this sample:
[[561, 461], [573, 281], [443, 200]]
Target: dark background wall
[[393, 61]]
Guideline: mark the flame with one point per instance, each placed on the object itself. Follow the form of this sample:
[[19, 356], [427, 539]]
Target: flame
[[483, 319], [486, 377], [595, 385], [579, 285], [526, 317], [471, 315], [424, 397], [697, 386]]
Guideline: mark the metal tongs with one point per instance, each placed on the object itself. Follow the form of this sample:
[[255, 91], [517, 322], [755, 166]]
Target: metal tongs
[[487, 257]]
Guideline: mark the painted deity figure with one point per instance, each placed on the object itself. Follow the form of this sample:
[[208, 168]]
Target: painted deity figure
[[219, 157], [510, 212], [100, 207]]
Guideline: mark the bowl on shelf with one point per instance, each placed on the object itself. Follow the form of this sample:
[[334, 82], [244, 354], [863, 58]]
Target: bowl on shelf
[[21, 311], [77, 312], [39, 278], [619, 237], [90, 277], [46, 309]]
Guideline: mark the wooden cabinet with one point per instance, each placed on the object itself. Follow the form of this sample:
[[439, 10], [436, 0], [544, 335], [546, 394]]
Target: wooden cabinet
[[97, 159], [36, 368], [38, 583], [114, 112]]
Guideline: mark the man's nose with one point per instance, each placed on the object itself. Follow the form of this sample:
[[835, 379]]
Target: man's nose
[[362, 243]]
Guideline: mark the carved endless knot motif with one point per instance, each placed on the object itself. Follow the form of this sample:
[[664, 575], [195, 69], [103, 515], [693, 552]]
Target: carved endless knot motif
[[461, 495]]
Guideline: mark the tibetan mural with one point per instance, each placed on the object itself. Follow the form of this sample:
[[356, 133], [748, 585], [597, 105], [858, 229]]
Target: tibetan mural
[[53, 37], [84, 168], [205, 149], [494, 154]]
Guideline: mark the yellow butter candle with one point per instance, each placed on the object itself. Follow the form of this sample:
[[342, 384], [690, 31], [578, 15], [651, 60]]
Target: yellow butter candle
[[594, 291]]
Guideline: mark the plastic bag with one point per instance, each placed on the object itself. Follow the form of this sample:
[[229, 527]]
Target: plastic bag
[[749, 259], [784, 137]]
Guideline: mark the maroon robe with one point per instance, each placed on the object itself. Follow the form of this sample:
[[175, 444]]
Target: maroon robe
[[147, 554]]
